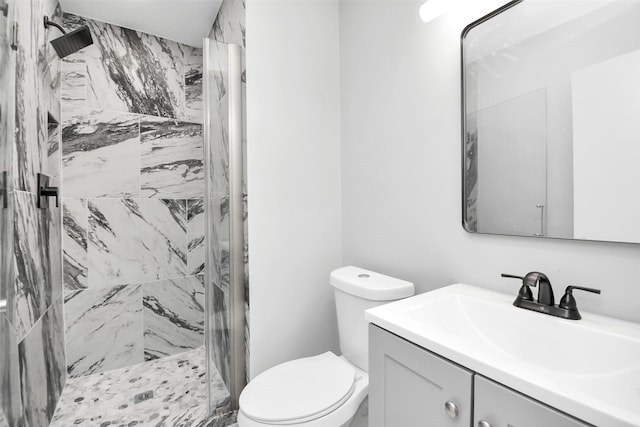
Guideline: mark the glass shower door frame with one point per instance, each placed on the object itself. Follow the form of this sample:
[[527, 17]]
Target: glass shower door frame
[[230, 325]]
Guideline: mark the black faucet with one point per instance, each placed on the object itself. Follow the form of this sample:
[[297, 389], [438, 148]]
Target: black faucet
[[545, 291], [567, 309]]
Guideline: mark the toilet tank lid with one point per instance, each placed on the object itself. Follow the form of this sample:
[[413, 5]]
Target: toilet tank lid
[[369, 284]]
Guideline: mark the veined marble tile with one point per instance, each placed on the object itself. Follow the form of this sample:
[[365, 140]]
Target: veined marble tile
[[72, 22], [196, 416], [47, 87], [27, 155], [219, 330], [219, 161], [100, 152], [136, 72], [72, 68], [42, 371], [179, 384], [73, 71], [7, 264], [54, 244], [227, 420], [173, 316], [76, 224], [172, 159], [33, 276], [219, 253], [196, 236], [7, 135], [136, 240], [229, 26], [7, 101], [193, 85], [54, 154], [42, 130], [48, 61], [471, 173], [103, 329], [73, 79], [36, 94], [10, 397], [218, 165], [219, 68]]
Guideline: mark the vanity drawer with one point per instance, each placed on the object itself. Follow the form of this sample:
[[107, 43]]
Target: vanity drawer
[[412, 387], [498, 406]]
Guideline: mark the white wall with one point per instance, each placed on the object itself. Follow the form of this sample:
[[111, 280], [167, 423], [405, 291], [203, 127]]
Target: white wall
[[401, 171], [378, 124], [293, 110]]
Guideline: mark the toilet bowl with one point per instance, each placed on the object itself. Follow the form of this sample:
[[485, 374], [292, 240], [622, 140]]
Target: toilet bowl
[[324, 390], [319, 391]]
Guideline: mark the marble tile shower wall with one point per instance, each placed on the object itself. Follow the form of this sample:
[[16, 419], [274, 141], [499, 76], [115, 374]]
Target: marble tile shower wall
[[229, 26], [133, 181], [32, 357]]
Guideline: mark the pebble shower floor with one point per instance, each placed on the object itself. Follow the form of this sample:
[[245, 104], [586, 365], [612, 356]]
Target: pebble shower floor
[[179, 396]]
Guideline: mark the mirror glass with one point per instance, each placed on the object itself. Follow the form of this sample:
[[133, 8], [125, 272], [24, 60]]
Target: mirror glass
[[551, 120]]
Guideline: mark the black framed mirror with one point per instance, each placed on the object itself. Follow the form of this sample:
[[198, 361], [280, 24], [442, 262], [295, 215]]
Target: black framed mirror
[[551, 120]]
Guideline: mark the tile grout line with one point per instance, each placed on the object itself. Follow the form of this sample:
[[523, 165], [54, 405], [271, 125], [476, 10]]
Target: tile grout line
[[149, 282], [38, 320]]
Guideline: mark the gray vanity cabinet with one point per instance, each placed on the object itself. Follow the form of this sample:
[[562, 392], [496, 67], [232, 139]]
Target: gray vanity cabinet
[[412, 387], [498, 406], [409, 386]]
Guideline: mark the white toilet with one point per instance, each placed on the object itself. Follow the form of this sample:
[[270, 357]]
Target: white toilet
[[325, 390]]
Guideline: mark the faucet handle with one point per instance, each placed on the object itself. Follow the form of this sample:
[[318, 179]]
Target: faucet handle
[[525, 290], [568, 302]]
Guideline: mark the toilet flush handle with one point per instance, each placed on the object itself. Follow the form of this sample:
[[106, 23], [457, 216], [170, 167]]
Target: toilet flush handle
[[451, 409]]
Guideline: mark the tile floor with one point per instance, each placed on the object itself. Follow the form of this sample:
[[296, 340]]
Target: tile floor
[[180, 396]]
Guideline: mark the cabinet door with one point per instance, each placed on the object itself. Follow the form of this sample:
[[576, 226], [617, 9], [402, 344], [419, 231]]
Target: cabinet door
[[499, 406], [409, 386]]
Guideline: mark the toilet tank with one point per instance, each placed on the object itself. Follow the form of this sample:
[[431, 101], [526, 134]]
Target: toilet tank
[[357, 290]]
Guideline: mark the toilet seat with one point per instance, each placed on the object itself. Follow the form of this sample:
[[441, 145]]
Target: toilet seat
[[299, 391]]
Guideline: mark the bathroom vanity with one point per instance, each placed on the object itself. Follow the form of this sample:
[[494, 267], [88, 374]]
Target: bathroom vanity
[[465, 356], [411, 386]]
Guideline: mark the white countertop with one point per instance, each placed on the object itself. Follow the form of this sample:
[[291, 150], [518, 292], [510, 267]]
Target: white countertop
[[588, 368]]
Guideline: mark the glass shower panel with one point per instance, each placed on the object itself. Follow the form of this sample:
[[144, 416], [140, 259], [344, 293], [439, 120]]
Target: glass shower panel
[[33, 367], [225, 212], [10, 406]]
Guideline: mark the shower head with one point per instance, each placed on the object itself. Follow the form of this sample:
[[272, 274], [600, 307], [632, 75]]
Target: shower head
[[71, 42]]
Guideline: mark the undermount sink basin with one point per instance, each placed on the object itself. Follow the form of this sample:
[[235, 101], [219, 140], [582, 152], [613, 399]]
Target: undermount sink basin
[[589, 368]]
